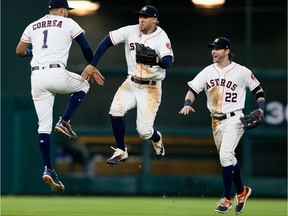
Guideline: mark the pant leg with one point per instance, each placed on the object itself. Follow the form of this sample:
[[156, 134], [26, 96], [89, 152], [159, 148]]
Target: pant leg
[[148, 102]]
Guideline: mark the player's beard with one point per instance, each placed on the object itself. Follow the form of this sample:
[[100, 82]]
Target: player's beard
[[65, 13], [219, 58], [146, 29], [142, 28]]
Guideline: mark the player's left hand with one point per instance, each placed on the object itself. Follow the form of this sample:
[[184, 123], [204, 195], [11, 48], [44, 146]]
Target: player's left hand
[[186, 110], [254, 119], [145, 55], [92, 72]]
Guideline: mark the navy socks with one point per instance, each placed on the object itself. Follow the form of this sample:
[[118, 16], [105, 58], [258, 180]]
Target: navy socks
[[237, 179], [75, 99], [44, 145], [155, 136], [118, 126], [232, 174], [227, 174]]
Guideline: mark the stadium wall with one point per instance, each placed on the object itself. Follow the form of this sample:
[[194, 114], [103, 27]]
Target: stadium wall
[[259, 42]]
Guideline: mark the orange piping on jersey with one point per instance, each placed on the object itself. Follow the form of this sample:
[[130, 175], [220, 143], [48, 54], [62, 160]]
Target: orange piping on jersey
[[194, 89], [257, 84], [112, 39], [81, 80], [78, 33], [26, 41], [153, 36], [229, 70]]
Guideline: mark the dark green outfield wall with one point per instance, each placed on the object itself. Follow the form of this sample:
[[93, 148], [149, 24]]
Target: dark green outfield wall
[[262, 153], [259, 41]]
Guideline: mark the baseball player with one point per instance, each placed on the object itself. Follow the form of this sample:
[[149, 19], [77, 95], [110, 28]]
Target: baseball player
[[142, 87], [225, 83], [51, 37]]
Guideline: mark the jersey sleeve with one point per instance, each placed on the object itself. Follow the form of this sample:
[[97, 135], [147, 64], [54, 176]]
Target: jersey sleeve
[[165, 48], [119, 35], [250, 80], [198, 83], [75, 29], [26, 38]]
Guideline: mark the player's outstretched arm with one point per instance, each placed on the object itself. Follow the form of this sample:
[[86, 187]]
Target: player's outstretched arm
[[187, 108], [85, 46], [91, 71]]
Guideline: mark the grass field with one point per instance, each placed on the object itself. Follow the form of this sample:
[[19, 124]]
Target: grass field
[[134, 206]]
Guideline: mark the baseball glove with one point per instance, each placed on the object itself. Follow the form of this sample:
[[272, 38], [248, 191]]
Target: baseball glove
[[146, 55], [252, 120]]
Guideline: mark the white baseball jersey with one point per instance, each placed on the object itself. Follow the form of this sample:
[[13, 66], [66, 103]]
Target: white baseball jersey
[[225, 88], [51, 38], [49, 44], [158, 40]]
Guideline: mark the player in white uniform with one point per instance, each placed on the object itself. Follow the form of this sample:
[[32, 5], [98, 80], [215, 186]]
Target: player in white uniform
[[225, 83], [51, 37], [142, 88]]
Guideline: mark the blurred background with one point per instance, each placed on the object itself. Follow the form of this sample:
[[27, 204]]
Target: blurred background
[[258, 32]]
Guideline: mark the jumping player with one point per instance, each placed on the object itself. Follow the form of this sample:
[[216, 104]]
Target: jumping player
[[51, 37], [142, 88], [225, 83]]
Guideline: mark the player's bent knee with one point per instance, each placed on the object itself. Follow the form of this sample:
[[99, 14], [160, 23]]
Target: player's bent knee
[[86, 88], [116, 111], [44, 131], [144, 134], [227, 161]]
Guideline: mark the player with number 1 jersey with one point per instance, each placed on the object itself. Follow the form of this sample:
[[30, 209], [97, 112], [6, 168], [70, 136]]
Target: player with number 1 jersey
[[51, 37]]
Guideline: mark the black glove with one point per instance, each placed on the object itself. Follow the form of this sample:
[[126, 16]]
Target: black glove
[[146, 55], [252, 120]]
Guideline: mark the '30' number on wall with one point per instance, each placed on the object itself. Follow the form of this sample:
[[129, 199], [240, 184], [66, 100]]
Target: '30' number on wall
[[276, 113]]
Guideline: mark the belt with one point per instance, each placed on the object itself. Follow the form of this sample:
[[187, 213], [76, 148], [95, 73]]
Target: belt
[[144, 82], [224, 116], [50, 66]]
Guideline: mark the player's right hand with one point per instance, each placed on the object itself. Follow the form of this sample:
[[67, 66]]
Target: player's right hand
[[98, 78], [186, 110], [88, 71]]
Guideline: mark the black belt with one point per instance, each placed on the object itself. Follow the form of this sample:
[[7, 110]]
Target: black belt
[[50, 66], [224, 116], [145, 82]]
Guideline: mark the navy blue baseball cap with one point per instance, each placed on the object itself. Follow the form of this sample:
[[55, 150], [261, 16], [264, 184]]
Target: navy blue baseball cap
[[58, 4], [149, 11], [220, 43]]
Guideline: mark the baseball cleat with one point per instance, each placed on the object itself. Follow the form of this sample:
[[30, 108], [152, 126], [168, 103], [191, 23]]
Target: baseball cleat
[[223, 206], [50, 177], [240, 200], [65, 128], [159, 148], [118, 156]]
